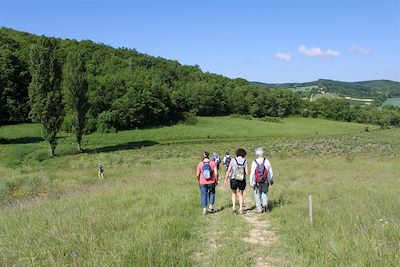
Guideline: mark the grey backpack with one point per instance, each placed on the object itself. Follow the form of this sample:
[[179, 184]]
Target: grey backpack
[[240, 172]]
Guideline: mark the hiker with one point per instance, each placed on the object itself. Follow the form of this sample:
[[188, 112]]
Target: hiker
[[207, 175], [100, 171], [237, 172], [216, 159], [261, 178], [226, 160]]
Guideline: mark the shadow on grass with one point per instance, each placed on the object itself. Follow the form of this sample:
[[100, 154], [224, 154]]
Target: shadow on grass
[[272, 204], [249, 208], [221, 208], [21, 140], [125, 146]]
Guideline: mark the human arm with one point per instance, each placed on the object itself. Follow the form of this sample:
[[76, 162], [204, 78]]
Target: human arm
[[215, 170], [198, 172], [228, 171], [252, 174], [270, 177]]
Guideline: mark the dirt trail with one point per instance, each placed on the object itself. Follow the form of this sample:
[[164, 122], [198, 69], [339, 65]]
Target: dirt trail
[[260, 233]]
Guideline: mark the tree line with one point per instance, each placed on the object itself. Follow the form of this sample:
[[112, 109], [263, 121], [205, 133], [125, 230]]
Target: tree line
[[83, 87]]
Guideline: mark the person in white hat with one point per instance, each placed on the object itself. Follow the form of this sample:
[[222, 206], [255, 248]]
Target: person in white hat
[[261, 178], [100, 171]]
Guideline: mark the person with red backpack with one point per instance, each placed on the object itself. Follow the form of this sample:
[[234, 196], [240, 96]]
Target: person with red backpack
[[207, 175], [261, 178]]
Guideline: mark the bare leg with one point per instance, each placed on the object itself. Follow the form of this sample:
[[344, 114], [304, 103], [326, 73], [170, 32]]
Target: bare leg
[[233, 199], [241, 199]]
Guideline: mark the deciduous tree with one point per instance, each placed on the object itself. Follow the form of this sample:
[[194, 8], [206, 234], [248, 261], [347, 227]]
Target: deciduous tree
[[45, 91], [76, 87]]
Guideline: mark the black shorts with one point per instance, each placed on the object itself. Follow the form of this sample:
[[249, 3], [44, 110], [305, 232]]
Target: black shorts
[[235, 184]]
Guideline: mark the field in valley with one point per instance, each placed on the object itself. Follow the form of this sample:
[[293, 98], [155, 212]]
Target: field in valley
[[395, 101], [55, 211]]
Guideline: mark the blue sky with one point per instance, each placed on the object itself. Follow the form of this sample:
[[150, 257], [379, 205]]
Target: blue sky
[[267, 41]]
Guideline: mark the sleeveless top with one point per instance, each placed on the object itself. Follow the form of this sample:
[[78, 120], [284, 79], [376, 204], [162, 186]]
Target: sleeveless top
[[239, 160]]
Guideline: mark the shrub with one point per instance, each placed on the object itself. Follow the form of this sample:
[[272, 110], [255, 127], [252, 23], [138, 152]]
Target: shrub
[[270, 119], [106, 122], [241, 116], [189, 118]]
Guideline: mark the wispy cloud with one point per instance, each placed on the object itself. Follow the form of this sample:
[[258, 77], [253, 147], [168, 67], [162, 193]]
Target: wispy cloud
[[317, 52], [310, 52], [332, 53], [283, 56], [360, 50]]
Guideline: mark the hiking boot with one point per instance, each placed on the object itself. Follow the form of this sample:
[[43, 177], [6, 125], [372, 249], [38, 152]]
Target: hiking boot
[[259, 210], [265, 209], [234, 209], [211, 210], [204, 212], [241, 211]]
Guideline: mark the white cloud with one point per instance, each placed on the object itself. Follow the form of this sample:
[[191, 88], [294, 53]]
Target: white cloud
[[332, 53], [310, 52], [360, 50], [283, 56], [317, 52]]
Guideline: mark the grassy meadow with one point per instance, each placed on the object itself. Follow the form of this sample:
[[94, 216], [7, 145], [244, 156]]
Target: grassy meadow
[[56, 212], [395, 101]]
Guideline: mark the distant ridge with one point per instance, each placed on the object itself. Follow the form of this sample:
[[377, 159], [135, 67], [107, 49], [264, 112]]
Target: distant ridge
[[371, 88]]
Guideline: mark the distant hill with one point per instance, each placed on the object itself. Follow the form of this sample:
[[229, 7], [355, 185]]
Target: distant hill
[[363, 89]]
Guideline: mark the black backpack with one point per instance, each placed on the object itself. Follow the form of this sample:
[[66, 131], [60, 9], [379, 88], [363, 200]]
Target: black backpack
[[227, 161]]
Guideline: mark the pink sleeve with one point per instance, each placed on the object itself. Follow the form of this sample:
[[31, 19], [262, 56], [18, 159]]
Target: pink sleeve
[[199, 167]]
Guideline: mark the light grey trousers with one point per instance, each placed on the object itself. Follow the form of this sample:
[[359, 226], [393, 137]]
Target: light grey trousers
[[261, 195]]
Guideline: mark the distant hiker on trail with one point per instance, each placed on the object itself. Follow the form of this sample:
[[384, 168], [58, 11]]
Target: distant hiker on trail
[[100, 171], [207, 175], [226, 160], [261, 177], [237, 172], [216, 159]]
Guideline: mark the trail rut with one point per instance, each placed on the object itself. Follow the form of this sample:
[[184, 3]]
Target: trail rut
[[260, 234]]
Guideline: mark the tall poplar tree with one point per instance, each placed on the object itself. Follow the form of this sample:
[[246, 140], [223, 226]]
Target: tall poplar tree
[[45, 89], [76, 87]]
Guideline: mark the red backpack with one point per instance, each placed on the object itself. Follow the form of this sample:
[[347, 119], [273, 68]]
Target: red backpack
[[261, 172]]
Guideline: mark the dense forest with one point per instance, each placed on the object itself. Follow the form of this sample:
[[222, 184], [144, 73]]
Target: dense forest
[[127, 89]]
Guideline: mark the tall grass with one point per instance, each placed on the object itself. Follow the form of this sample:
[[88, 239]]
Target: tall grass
[[146, 219], [146, 211], [356, 215]]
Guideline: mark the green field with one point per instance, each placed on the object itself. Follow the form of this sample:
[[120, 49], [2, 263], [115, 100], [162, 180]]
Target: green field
[[327, 95], [392, 101], [55, 211], [303, 88]]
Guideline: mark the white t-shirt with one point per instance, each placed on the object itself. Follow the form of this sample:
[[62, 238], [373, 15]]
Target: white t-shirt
[[267, 165]]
